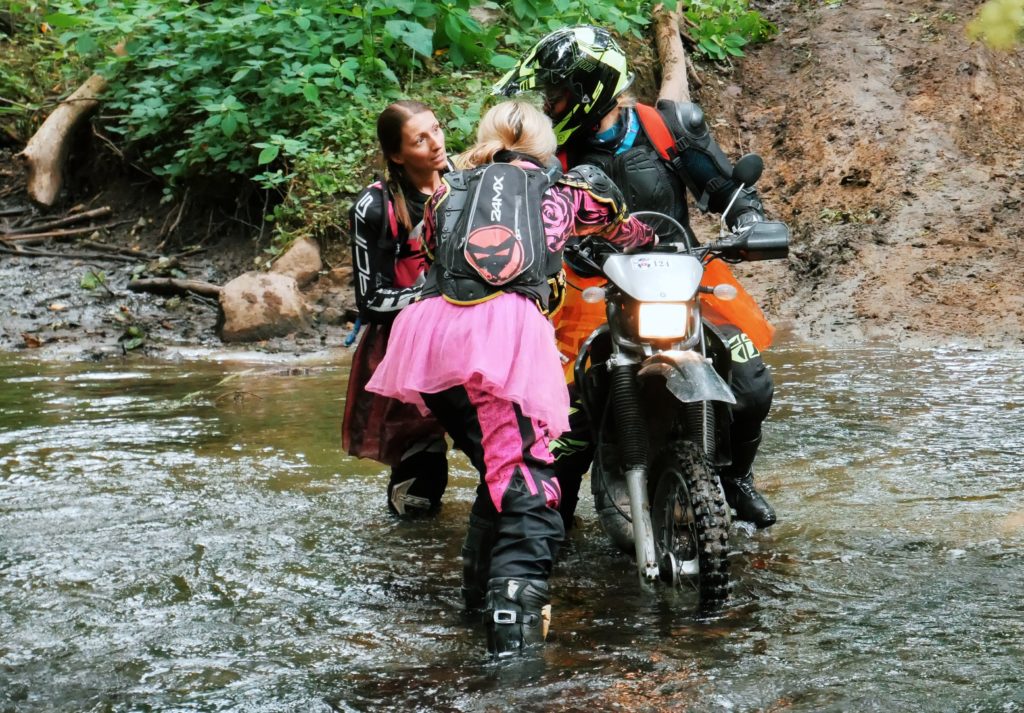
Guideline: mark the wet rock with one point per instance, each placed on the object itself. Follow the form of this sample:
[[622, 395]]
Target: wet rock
[[340, 276], [258, 306], [301, 262]]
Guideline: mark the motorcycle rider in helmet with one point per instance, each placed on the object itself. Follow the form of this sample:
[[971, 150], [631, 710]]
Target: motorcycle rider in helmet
[[583, 75]]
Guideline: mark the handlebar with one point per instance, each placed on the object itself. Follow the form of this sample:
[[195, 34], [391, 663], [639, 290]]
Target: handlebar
[[767, 240]]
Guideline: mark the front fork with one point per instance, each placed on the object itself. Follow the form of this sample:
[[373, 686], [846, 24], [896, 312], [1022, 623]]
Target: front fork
[[634, 445]]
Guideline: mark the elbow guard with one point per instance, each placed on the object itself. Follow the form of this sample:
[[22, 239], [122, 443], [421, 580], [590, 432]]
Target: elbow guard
[[699, 161]]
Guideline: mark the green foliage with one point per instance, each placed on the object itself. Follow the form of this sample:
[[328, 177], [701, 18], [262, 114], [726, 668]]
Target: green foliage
[[533, 18], [723, 27], [92, 280], [999, 24], [133, 338], [201, 84], [27, 61], [286, 92]]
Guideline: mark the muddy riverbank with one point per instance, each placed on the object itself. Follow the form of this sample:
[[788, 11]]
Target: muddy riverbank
[[892, 148]]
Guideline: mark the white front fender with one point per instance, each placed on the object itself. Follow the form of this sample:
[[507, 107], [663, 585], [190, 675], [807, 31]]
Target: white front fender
[[688, 376]]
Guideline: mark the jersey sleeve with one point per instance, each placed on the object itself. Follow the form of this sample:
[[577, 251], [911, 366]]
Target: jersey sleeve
[[374, 252], [586, 202]]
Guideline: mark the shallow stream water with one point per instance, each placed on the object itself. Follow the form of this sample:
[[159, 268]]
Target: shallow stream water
[[187, 536]]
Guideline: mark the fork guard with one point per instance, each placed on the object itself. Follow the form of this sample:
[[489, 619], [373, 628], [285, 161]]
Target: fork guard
[[688, 376]]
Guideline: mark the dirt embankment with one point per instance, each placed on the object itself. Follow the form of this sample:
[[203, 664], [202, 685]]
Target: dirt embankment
[[893, 148]]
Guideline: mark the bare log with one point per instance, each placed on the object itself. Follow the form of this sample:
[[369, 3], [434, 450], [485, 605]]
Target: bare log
[[48, 148], [674, 86], [171, 286]]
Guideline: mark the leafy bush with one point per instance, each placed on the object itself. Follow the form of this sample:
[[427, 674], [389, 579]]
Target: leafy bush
[[999, 23], [286, 92], [27, 75], [723, 27]]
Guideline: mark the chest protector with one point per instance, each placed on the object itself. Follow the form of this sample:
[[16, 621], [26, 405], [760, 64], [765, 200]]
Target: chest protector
[[490, 235]]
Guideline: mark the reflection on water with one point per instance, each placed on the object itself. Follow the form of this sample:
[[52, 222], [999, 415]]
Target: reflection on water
[[188, 536]]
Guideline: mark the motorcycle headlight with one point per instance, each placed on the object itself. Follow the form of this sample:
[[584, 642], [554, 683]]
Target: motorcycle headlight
[[663, 320]]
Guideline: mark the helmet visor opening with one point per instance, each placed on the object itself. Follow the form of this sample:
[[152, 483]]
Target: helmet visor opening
[[557, 100]]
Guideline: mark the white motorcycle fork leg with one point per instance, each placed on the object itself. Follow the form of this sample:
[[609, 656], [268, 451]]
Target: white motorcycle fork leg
[[643, 533]]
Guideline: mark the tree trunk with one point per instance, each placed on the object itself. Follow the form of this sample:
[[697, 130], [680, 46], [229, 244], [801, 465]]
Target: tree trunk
[[674, 85], [47, 150]]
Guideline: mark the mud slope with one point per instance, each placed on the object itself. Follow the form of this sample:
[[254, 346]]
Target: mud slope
[[894, 149]]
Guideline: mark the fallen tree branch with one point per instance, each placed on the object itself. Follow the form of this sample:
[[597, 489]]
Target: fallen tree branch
[[14, 237], [47, 150], [140, 254], [71, 255], [695, 81], [172, 286], [67, 220], [674, 85]]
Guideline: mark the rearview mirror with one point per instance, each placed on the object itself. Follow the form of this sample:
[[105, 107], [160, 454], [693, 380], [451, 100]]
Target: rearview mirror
[[748, 169]]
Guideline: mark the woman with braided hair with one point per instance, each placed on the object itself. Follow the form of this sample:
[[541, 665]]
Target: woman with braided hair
[[389, 266]]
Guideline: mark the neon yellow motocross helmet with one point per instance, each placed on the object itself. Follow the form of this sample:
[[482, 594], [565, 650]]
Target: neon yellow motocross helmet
[[583, 65]]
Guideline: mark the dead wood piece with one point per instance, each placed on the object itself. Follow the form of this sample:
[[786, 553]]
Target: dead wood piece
[[177, 221], [137, 254], [48, 148], [22, 252], [674, 85], [67, 220], [14, 237], [695, 81], [172, 286]]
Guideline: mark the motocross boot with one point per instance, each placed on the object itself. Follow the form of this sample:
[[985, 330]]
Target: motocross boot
[[517, 615], [417, 484], [738, 483], [476, 560]]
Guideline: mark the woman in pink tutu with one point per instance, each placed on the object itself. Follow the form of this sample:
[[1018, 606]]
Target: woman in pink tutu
[[478, 352]]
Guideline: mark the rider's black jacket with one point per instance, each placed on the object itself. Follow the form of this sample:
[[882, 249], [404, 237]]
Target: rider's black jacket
[[386, 262], [649, 183]]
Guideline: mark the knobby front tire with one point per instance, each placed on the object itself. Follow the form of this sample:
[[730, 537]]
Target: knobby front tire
[[690, 520]]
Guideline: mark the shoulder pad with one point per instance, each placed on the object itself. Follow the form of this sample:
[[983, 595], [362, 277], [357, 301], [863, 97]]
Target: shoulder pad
[[684, 119], [457, 179], [596, 182], [369, 204], [589, 177]]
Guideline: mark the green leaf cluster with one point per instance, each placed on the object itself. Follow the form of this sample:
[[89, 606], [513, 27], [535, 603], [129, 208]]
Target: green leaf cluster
[[999, 23], [722, 28], [32, 64]]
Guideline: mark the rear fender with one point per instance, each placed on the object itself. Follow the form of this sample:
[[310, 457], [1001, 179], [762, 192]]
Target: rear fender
[[688, 376]]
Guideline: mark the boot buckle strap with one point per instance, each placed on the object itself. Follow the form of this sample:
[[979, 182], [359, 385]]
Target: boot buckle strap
[[504, 616]]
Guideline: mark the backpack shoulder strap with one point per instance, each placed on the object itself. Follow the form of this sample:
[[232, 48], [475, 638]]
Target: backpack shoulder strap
[[657, 131]]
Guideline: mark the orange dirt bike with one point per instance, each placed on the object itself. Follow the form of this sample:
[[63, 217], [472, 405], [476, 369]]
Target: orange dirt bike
[[654, 379]]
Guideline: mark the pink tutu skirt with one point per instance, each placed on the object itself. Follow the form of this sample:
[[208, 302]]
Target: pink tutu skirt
[[505, 341]]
